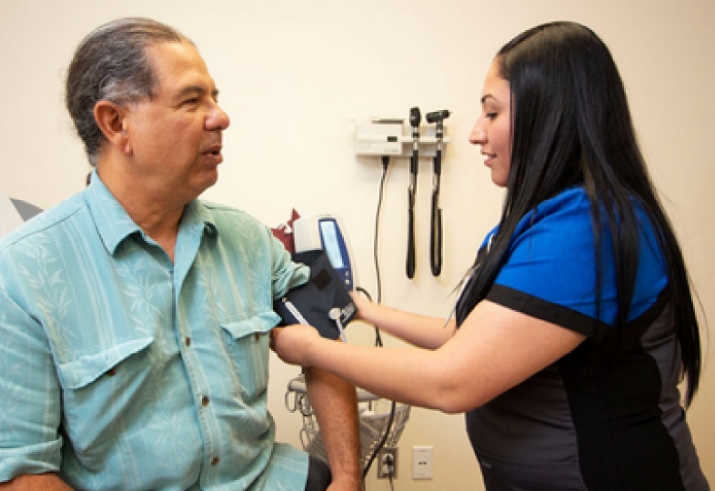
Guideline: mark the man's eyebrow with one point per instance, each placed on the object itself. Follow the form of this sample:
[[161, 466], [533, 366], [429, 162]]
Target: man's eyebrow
[[196, 89]]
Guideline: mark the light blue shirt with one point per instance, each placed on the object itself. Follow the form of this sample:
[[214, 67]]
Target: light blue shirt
[[122, 370]]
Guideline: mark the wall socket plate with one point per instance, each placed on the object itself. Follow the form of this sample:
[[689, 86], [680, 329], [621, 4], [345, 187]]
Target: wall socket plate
[[422, 462], [386, 460]]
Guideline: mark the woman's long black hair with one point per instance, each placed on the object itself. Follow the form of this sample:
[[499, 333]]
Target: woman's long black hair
[[571, 126]]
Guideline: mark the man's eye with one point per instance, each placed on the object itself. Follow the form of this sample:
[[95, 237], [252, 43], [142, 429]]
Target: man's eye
[[190, 102]]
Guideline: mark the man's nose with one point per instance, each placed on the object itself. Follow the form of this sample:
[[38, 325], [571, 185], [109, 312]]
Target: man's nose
[[217, 119]]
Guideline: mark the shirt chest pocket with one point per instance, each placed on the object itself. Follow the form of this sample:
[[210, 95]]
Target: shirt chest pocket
[[100, 386], [247, 342]]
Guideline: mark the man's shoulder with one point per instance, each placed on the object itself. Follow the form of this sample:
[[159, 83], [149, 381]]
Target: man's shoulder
[[51, 220], [224, 215], [220, 208]]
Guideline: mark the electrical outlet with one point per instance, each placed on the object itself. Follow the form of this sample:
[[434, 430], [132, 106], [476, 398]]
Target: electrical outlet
[[387, 463], [422, 462]]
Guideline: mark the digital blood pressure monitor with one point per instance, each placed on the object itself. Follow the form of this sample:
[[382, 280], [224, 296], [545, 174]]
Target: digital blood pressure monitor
[[324, 232]]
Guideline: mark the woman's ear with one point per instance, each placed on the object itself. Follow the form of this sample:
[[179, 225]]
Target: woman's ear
[[110, 120]]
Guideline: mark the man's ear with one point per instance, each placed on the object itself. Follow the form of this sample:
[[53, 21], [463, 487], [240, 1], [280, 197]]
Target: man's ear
[[110, 120]]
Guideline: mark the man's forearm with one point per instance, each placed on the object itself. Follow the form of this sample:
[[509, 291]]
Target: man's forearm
[[334, 402], [32, 482]]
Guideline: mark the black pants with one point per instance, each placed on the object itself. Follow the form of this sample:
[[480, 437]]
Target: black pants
[[319, 477]]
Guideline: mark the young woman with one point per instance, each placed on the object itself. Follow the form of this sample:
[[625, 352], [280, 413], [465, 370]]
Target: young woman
[[576, 323]]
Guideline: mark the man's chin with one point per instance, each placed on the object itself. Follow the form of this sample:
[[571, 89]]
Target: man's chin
[[208, 180]]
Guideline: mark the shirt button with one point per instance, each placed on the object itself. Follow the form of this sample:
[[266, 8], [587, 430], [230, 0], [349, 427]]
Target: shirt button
[[187, 341], [205, 401], [215, 461]]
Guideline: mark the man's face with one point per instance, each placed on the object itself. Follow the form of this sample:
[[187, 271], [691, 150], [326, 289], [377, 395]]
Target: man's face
[[175, 137]]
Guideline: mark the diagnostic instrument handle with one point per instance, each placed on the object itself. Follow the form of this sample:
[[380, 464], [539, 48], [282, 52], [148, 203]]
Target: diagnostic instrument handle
[[436, 236], [411, 238]]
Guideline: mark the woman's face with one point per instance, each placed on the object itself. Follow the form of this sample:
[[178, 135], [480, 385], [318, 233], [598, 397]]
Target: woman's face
[[492, 131]]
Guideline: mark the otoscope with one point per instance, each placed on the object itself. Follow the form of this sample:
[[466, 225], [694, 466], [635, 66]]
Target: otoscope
[[415, 118], [437, 117]]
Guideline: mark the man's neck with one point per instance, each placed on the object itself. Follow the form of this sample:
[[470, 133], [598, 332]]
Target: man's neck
[[157, 214]]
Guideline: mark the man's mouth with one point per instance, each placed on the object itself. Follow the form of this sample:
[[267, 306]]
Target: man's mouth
[[214, 150]]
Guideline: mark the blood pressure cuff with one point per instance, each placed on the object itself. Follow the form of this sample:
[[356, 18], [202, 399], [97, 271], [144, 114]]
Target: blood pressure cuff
[[320, 302]]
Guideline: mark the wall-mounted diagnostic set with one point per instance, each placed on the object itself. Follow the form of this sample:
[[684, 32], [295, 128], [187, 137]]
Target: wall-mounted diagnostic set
[[386, 138]]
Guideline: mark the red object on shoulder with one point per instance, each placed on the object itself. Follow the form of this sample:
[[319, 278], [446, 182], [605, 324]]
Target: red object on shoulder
[[284, 232]]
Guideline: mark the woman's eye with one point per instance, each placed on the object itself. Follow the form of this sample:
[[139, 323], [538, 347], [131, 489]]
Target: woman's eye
[[490, 115]]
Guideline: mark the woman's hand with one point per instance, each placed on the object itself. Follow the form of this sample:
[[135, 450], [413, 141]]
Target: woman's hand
[[294, 343], [362, 303]]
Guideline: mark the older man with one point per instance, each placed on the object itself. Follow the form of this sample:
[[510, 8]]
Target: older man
[[135, 318]]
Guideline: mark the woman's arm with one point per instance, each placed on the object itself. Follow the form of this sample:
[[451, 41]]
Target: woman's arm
[[418, 330], [495, 349]]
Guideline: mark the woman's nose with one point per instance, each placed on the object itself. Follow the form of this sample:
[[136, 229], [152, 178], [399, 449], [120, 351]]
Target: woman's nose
[[478, 136]]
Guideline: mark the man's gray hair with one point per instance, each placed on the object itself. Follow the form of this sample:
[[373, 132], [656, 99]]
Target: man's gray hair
[[111, 64]]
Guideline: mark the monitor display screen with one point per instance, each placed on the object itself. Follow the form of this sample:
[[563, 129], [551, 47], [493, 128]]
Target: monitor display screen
[[331, 244]]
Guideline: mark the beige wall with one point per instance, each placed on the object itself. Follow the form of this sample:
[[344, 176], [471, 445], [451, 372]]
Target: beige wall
[[296, 75]]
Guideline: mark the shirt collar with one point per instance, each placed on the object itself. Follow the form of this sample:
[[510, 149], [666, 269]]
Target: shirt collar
[[114, 224]]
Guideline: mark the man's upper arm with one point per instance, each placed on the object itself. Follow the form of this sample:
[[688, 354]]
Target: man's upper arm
[[30, 402]]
